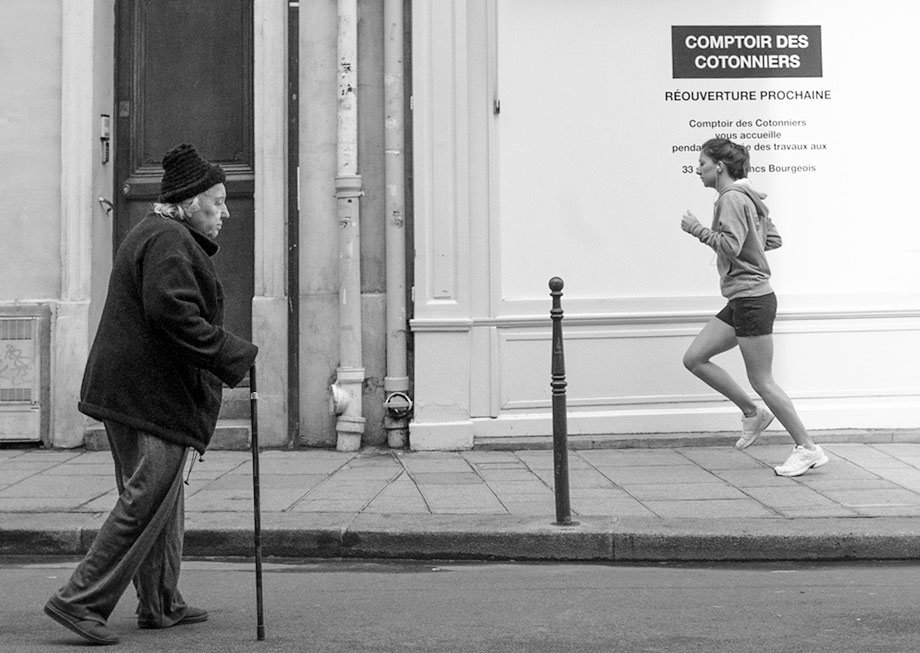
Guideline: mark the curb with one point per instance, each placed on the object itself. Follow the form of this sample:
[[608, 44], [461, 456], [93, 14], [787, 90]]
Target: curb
[[495, 538]]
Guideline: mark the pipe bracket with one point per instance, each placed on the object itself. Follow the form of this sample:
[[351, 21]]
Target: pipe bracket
[[398, 404]]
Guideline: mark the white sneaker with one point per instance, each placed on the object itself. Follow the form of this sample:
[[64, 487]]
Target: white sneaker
[[752, 427], [801, 461]]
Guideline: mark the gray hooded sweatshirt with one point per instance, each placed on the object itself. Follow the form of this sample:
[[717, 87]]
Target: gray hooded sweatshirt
[[741, 232]]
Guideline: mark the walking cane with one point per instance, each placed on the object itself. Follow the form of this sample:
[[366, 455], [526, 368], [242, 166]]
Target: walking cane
[[257, 532]]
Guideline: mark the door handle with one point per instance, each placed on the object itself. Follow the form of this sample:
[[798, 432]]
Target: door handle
[[106, 205]]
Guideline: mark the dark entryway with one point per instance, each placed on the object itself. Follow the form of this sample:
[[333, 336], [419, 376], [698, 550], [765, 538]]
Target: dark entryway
[[183, 73]]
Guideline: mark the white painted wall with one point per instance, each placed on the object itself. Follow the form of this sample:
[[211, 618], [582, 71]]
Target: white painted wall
[[586, 143], [30, 149], [577, 177]]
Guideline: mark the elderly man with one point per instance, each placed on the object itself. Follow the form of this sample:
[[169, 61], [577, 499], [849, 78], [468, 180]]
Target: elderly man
[[154, 378]]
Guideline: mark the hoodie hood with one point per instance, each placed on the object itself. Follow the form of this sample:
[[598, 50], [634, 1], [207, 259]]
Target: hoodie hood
[[744, 185]]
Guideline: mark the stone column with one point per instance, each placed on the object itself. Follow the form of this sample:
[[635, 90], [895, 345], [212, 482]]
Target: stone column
[[269, 303], [70, 320]]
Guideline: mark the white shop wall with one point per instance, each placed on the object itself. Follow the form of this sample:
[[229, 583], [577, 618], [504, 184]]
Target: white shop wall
[[589, 180], [578, 176]]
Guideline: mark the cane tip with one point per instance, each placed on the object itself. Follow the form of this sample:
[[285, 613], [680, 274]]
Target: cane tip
[[556, 284]]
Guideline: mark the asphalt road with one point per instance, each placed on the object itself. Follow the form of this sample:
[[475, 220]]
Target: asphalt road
[[387, 606]]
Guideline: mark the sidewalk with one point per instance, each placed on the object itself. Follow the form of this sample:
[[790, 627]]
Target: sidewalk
[[678, 503]]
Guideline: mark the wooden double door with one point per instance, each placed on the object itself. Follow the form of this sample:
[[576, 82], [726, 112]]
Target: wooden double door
[[184, 74]]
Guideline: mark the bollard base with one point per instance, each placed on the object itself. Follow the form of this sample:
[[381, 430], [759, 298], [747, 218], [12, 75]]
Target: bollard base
[[566, 523]]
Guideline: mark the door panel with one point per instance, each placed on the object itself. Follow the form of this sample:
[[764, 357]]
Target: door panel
[[184, 74]]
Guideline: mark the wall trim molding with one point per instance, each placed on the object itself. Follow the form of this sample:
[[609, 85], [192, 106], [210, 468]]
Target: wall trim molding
[[654, 317], [633, 401]]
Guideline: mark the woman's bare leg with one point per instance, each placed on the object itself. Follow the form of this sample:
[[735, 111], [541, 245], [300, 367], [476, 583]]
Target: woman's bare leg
[[758, 360], [715, 338]]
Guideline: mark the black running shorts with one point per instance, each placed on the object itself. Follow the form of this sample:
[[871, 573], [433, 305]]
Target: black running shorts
[[750, 316]]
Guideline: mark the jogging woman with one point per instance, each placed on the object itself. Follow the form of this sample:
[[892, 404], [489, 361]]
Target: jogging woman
[[740, 234]]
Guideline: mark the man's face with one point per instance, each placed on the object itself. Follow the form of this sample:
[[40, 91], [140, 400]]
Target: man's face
[[212, 211]]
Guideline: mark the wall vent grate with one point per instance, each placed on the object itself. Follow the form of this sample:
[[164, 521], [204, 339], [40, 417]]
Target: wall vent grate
[[24, 337], [19, 359]]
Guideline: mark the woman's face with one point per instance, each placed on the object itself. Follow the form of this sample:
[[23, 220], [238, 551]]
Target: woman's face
[[212, 211], [708, 170]]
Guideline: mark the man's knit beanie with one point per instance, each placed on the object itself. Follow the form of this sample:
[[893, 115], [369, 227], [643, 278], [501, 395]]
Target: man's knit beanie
[[185, 174]]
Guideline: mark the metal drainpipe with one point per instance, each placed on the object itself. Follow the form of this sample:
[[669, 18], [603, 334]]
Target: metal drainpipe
[[347, 390], [396, 383]]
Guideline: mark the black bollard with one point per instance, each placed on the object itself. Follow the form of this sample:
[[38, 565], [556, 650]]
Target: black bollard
[[560, 426]]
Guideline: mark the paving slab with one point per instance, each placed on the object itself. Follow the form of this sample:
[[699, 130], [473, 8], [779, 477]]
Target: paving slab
[[710, 509], [677, 474], [505, 474], [50, 486], [906, 478], [796, 497], [11, 476], [683, 492], [518, 487], [633, 457]]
